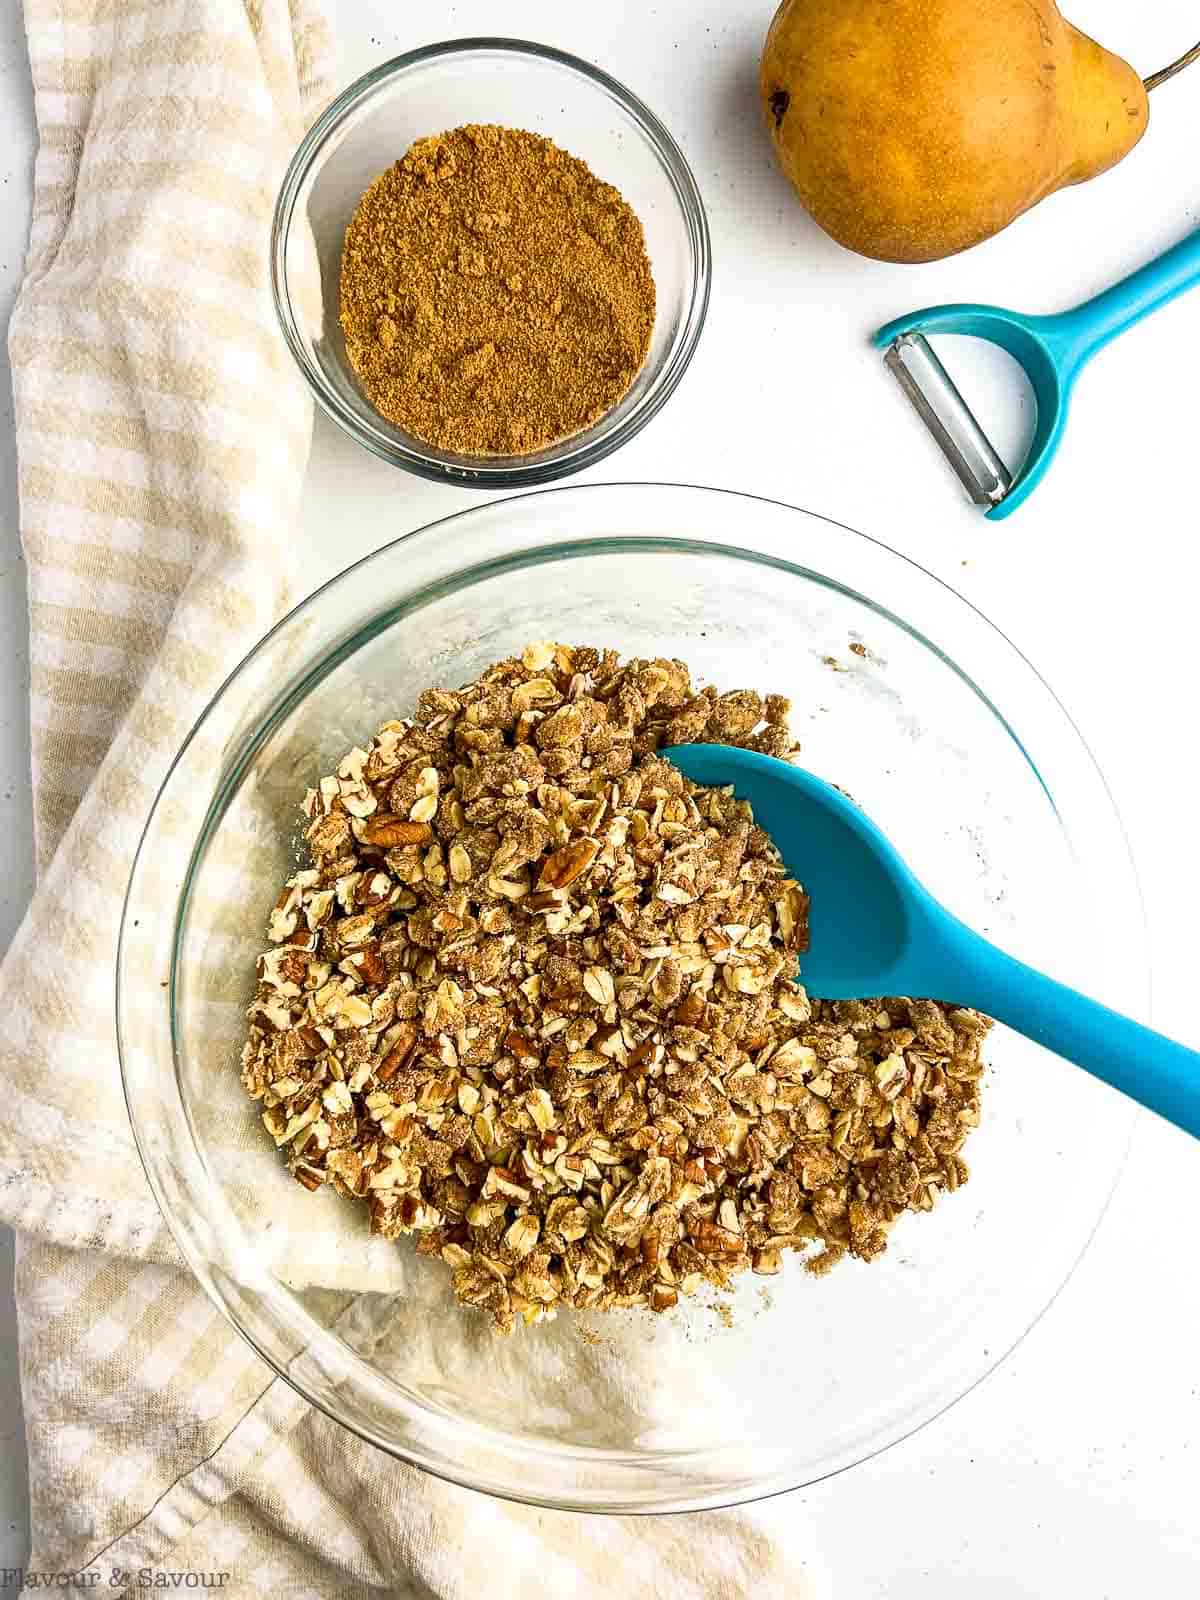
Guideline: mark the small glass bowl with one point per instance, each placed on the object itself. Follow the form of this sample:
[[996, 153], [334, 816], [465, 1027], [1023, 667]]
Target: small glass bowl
[[518, 85], [903, 693]]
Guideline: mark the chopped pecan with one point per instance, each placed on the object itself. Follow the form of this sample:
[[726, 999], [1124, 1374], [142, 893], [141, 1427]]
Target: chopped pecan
[[535, 1000], [389, 831]]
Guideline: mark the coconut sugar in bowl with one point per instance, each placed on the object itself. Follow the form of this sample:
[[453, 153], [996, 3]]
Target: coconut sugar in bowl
[[496, 296], [567, 282]]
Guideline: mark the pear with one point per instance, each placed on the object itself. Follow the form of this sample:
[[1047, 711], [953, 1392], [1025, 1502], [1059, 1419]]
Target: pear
[[912, 129]]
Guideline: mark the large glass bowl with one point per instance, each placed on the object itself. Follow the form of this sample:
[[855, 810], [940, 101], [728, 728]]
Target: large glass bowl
[[940, 728], [517, 85]]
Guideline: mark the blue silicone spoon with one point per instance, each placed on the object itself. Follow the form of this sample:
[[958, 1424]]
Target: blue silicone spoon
[[875, 930], [1053, 350]]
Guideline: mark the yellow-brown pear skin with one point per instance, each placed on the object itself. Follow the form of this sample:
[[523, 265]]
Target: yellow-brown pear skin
[[913, 129], [1106, 109]]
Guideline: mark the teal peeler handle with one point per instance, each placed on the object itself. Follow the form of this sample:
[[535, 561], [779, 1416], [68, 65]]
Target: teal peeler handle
[[1155, 1071], [1077, 335], [1054, 349]]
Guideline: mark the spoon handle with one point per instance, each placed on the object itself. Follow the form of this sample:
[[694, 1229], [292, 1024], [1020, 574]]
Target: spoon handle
[[1159, 1073]]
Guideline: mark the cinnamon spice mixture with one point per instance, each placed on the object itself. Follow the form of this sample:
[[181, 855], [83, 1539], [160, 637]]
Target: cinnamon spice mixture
[[533, 1000], [495, 295]]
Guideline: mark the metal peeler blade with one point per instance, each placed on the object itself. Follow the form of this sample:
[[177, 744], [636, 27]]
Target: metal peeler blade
[[936, 399], [1053, 351]]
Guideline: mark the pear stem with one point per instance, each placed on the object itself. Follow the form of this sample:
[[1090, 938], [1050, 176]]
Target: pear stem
[[1155, 78]]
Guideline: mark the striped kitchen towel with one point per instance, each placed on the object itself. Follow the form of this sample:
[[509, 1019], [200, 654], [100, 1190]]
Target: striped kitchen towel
[[156, 493]]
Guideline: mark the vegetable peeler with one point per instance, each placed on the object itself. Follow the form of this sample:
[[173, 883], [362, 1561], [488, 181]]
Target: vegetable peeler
[[1052, 350]]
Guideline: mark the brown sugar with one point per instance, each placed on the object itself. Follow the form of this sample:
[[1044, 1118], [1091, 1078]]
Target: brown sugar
[[495, 295]]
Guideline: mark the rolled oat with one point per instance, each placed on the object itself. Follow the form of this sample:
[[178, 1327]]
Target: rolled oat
[[533, 1000]]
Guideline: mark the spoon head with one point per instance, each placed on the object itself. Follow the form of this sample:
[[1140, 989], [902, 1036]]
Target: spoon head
[[864, 900]]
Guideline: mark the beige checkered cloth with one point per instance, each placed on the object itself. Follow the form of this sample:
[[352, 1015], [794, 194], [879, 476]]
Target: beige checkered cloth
[[157, 492]]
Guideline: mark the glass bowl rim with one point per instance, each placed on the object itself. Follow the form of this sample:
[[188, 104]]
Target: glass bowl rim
[[507, 472], [252, 739]]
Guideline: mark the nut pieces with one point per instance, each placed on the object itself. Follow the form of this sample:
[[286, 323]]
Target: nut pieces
[[533, 1001]]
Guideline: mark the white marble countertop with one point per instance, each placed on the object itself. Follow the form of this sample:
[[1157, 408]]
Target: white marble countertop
[[1073, 1469]]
